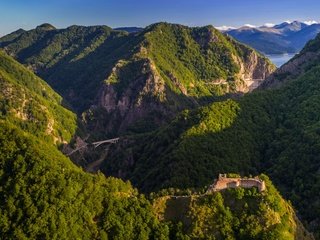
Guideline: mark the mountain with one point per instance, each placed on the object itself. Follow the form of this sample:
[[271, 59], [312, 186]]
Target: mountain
[[274, 130], [287, 37], [231, 214], [136, 82], [129, 29], [297, 66], [45, 196], [28, 102]]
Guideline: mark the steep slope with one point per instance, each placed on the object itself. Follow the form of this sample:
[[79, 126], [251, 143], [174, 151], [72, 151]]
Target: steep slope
[[264, 40], [11, 37], [30, 103], [287, 37], [274, 131], [231, 214], [56, 55], [131, 79], [43, 195], [302, 62]]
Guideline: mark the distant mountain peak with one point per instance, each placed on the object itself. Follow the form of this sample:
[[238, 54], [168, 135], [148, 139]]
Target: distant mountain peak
[[268, 25], [129, 29], [46, 26], [285, 37], [225, 28], [310, 22], [249, 25]]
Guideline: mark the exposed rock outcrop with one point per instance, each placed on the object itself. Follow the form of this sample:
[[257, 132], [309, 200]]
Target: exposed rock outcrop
[[290, 70], [254, 69]]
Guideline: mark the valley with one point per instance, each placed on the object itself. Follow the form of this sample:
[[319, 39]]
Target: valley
[[160, 132]]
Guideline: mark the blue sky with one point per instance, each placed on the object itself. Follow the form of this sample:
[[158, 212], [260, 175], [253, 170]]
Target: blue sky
[[28, 14]]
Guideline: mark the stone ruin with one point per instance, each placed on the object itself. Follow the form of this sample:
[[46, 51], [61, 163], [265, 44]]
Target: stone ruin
[[224, 182]]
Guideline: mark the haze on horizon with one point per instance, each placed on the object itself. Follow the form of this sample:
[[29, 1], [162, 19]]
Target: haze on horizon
[[17, 14]]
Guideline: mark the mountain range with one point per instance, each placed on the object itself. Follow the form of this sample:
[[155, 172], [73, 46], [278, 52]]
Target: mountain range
[[180, 102], [138, 79], [287, 37]]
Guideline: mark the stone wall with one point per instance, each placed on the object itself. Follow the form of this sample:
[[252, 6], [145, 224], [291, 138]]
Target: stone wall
[[223, 182]]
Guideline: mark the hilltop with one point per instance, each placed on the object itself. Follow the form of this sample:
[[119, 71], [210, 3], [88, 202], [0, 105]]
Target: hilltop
[[231, 214], [179, 126], [44, 195], [136, 79], [274, 130]]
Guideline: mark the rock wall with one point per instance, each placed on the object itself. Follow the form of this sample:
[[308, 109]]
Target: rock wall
[[290, 70], [254, 69], [223, 182]]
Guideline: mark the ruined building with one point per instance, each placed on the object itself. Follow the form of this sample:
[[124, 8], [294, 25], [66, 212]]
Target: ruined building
[[224, 182]]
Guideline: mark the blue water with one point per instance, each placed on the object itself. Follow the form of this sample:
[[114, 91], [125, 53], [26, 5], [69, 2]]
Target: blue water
[[280, 59]]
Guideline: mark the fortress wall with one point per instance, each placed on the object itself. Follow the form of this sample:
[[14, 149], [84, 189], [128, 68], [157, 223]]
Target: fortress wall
[[224, 183]]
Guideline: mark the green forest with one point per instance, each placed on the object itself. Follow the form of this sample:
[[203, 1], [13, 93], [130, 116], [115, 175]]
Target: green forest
[[177, 133], [272, 131]]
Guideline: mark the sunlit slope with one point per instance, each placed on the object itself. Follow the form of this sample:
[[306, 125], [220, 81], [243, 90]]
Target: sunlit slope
[[28, 102]]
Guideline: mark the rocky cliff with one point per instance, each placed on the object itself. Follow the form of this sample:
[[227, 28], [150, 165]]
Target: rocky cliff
[[134, 82], [302, 62], [162, 77]]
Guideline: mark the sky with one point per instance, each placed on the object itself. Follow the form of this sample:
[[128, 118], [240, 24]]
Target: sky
[[28, 14]]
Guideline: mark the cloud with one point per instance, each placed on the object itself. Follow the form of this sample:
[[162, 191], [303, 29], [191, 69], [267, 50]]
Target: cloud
[[310, 22], [250, 26], [225, 28], [269, 25]]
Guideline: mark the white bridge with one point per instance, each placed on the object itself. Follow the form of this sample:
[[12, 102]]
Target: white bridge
[[94, 144]]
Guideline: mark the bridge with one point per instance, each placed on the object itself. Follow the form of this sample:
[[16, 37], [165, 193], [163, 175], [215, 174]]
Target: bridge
[[94, 144], [112, 141]]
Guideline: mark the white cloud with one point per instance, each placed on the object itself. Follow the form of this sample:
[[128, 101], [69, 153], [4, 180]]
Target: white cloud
[[310, 22], [250, 26], [268, 25], [225, 28]]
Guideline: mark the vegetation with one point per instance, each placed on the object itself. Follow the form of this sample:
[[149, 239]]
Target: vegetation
[[159, 71], [45, 196], [231, 214], [271, 131], [28, 102]]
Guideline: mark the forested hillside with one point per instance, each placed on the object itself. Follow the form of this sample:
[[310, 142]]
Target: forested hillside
[[45, 196], [231, 214], [28, 102], [122, 81], [274, 131]]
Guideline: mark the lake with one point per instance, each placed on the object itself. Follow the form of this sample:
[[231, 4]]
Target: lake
[[280, 59]]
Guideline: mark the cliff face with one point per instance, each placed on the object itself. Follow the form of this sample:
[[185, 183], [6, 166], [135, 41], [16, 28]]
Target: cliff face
[[163, 78], [135, 82], [302, 62], [254, 69], [139, 100]]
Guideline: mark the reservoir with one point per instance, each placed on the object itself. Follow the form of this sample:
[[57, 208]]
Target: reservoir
[[280, 59]]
